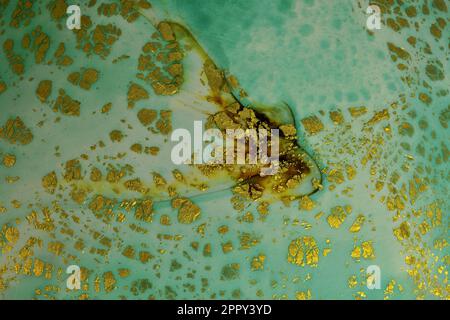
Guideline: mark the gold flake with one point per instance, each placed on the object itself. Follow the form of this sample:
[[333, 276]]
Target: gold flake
[[109, 281], [188, 212], [164, 124], [145, 256], [214, 75], [44, 90], [3, 87], [107, 107], [303, 250], [352, 281], [9, 160], [258, 262], [146, 116], [96, 175], [312, 124], [166, 31], [368, 250], [12, 235], [289, 130], [66, 105], [356, 253], [337, 217], [49, 182], [336, 117], [116, 136], [136, 93], [379, 116], [306, 203], [15, 131], [55, 247], [403, 231], [302, 295], [227, 247], [151, 150], [357, 111], [357, 224]]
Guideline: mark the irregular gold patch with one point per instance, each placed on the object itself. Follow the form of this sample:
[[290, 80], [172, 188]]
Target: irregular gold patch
[[136, 93], [99, 40], [9, 160], [263, 209], [336, 176], [440, 5], [116, 136], [303, 250], [128, 252], [84, 79], [188, 212], [166, 31], [38, 42], [160, 64], [337, 217], [302, 295], [15, 131], [145, 256], [57, 9], [425, 98], [109, 282], [357, 111], [306, 203], [12, 234], [62, 60], [146, 116], [96, 175], [136, 147], [258, 262], [66, 105], [164, 124], [15, 61], [368, 250], [434, 72], [312, 124], [144, 211], [215, 76], [379, 116], [357, 224], [164, 89], [248, 240], [23, 12], [107, 107], [72, 170], [55, 247], [227, 247], [402, 232], [356, 253], [351, 172], [44, 90], [289, 130], [50, 182], [135, 185], [3, 87], [400, 52], [336, 117], [38, 268], [159, 180], [108, 9], [78, 195]]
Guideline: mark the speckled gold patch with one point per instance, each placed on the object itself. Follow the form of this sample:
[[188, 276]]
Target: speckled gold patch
[[15, 131]]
